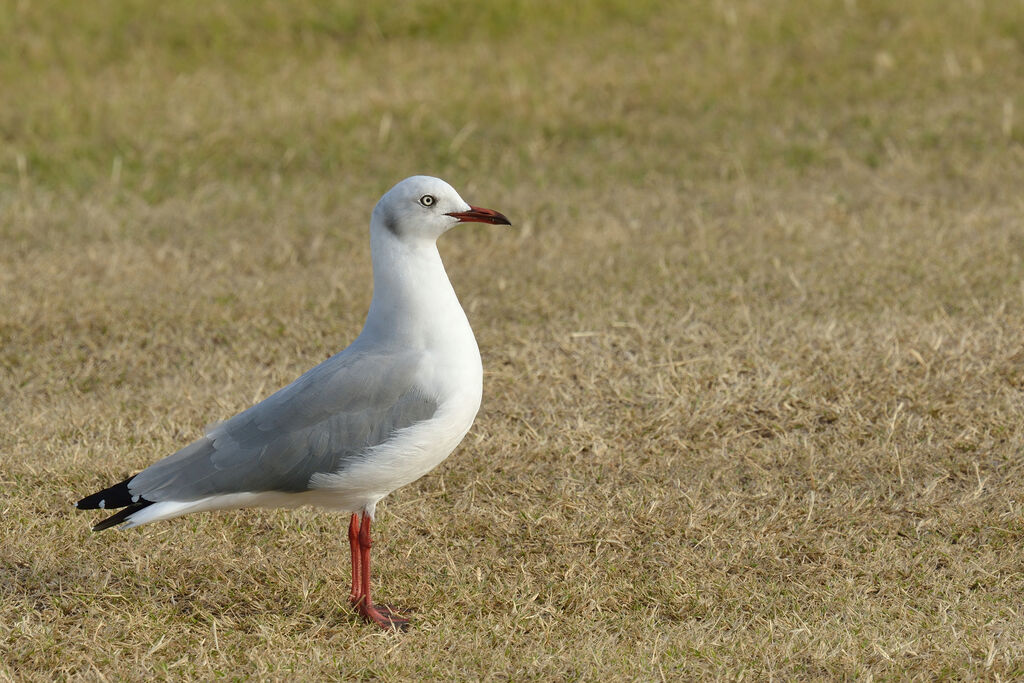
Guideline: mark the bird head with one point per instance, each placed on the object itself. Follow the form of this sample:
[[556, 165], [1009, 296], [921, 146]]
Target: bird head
[[426, 207]]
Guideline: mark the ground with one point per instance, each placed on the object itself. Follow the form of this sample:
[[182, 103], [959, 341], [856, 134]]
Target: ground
[[753, 350]]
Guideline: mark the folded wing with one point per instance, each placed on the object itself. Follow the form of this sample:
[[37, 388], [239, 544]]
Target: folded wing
[[321, 423]]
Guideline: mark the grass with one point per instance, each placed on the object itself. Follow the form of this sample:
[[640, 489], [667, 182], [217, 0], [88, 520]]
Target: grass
[[753, 350]]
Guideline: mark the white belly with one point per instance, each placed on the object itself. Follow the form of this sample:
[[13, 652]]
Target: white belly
[[402, 459]]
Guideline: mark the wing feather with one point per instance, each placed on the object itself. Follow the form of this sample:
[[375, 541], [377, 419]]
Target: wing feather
[[320, 423]]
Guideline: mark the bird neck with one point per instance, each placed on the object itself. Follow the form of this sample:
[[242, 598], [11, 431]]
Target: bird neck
[[413, 300]]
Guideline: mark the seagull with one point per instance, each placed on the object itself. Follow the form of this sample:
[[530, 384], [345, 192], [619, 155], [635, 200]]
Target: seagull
[[376, 416]]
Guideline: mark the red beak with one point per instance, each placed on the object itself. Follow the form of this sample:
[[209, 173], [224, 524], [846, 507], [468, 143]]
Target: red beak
[[478, 215]]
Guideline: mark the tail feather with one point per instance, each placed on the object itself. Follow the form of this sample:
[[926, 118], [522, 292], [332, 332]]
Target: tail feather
[[116, 496]]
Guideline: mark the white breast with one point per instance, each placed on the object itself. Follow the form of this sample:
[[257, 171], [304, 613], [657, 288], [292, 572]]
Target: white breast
[[453, 374], [414, 307]]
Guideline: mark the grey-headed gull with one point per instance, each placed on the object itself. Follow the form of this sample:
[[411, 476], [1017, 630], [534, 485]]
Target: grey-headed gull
[[374, 417]]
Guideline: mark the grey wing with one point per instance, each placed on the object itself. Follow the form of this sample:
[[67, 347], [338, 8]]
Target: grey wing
[[320, 423]]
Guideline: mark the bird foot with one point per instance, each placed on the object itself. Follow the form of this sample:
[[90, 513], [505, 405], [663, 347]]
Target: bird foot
[[384, 616], [395, 612]]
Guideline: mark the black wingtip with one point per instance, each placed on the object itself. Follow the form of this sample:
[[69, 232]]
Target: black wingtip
[[122, 515], [111, 498]]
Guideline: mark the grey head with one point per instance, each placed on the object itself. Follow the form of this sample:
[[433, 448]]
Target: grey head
[[426, 207]]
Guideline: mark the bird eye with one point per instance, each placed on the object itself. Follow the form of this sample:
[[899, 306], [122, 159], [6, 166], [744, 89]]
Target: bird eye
[[427, 200]]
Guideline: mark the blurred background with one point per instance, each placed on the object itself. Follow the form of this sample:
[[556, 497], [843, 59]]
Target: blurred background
[[753, 345]]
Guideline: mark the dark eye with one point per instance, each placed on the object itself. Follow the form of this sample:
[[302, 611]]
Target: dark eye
[[427, 200]]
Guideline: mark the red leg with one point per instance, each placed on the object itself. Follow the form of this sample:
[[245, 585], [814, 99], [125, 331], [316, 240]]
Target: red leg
[[381, 615], [353, 544], [364, 557]]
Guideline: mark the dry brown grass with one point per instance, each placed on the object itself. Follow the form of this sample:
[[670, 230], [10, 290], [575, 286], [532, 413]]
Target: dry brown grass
[[754, 348]]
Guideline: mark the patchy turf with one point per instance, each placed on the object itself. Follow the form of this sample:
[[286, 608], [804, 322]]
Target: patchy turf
[[753, 349]]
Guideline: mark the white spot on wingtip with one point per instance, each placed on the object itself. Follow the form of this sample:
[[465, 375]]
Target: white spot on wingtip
[[103, 504], [135, 499]]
